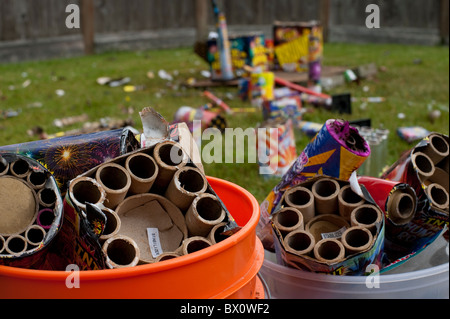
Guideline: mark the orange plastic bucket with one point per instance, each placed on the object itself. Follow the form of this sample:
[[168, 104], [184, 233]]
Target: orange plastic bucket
[[227, 269]]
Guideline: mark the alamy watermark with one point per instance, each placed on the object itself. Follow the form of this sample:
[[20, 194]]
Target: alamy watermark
[[73, 19], [373, 19]]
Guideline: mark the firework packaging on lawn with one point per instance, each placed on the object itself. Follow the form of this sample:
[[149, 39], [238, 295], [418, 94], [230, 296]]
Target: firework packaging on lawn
[[69, 156], [337, 150]]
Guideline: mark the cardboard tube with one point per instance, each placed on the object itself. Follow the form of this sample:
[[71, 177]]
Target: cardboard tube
[[169, 157], [299, 242], [112, 226], [444, 165], [366, 216], [19, 168], [84, 190], [327, 225], [302, 199], [16, 245], [186, 184], [437, 148], [424, 165], [439, 177], [401, 207], [329, 250], [348, 200], [438, 196], [356, 240], [18, 205], [2, 244], [45, 218], [215, 235], [121, 251], [37, 180], [143, 172], [4, 166], [35, 234], [47, 197], [204, 213], [116, 182], [287, 220], [193, 244], [325, 193], [166, 256]]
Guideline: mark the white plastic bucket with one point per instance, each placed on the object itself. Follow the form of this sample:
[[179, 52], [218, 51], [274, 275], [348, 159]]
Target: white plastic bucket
[[425, 276]]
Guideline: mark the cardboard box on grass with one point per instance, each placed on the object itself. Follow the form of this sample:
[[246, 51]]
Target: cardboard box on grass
[[355, 264]]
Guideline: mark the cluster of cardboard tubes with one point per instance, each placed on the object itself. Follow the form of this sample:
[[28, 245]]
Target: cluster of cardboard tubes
[[326, 222], [431, 163], [29, 206], [165, 173]]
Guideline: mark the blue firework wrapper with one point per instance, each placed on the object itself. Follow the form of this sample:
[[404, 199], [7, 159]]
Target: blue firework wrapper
[[69, 156], [337, 151]]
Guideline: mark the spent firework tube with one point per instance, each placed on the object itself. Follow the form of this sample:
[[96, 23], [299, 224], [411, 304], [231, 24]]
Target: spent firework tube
[[217, 101], [337, 151], [417, 168], [397, 200]]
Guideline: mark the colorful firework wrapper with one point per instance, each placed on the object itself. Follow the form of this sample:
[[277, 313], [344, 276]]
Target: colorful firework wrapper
[[287, 107], [353, 264], [430, 219], [337, 150], [279, 152], [412, 133], [41, 253], [69, 156]]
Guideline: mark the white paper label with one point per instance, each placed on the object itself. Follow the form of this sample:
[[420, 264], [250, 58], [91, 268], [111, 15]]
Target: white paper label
[[154, 242], [335, 234]]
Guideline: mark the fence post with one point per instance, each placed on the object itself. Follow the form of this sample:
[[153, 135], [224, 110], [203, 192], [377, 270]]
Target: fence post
[[324, 17], [201, 19], [87, 25], [443, 21]]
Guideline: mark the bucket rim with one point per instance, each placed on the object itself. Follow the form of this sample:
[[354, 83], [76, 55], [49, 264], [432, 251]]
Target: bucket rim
[[106, 274]]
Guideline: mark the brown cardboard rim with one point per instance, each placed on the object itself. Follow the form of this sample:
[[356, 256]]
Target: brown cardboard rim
[[193, 244], [35, 230], [2, 244], [354, 236], [440, 177], [288, 219], [188, 169], [36, 184], [129, 247], [307, 208], [109, 190], [166, 256], [135, 179], [9, 245], [438, 196], [199, 222], [112, 226], [338, 221], [357, 220], [43, 197], [17, 170], [161, 160], [346, 206], [437, 148], [423, 164], [326, 203], [329, 244], [214, 235], [292, 240], [4, 166], [401, 207], [90, 181], [29, 217]]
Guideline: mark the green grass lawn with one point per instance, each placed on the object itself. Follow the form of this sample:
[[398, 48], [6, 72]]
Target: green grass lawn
[[414, 80]]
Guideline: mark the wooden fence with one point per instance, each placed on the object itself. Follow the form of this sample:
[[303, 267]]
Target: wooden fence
[[413, 21]]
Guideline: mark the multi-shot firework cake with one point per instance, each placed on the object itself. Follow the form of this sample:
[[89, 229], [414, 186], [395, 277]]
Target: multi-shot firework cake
[[69, 156], [31, 212]]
